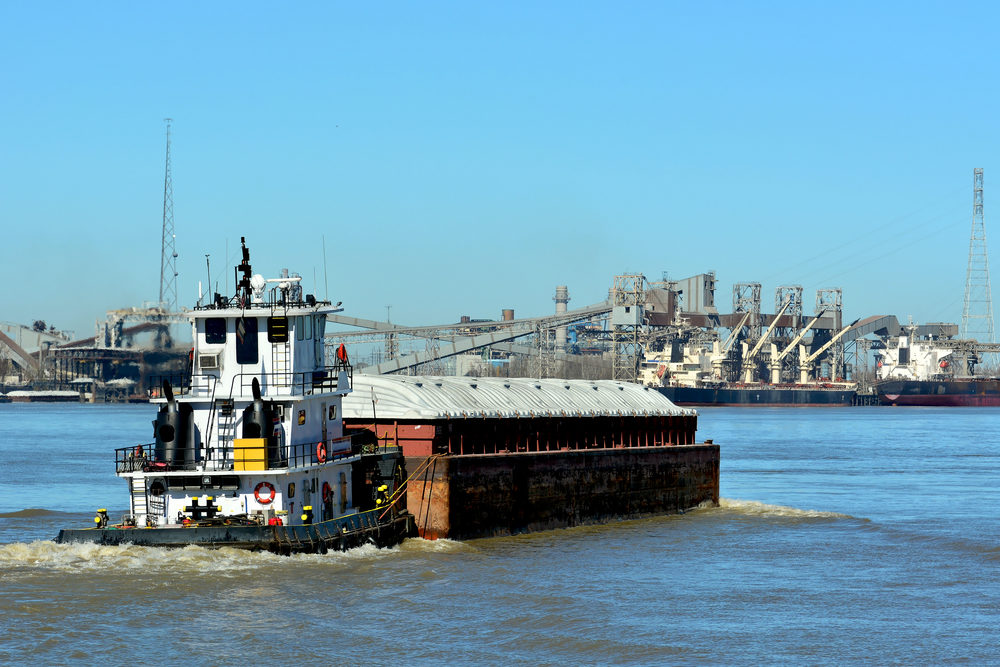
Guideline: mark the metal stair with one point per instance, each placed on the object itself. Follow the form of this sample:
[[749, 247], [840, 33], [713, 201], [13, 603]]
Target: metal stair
[[226, 429], [137, 488], [281, 375]]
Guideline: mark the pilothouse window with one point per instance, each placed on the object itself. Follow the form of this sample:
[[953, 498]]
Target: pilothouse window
[[215, 330], [246, 340]]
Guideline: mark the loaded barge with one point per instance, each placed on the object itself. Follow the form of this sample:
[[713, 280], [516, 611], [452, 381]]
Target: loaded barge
[[250, 451], [501, 456]]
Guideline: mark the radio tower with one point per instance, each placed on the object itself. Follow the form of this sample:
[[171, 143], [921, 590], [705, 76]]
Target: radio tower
[[978, 293], [168, 249]]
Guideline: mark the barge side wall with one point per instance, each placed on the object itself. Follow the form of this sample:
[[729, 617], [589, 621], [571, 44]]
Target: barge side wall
[[483, 495]]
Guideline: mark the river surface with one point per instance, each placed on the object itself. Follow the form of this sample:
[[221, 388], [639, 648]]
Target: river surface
[[844, 535]]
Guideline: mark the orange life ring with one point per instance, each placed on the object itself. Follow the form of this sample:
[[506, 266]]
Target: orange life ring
[[270, 491], [321, 452], [327, 492]]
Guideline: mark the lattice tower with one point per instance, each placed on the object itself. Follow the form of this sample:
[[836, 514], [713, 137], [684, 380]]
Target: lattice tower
[[792, 293], [977, 313], [168, 246], [628, 299], [831, 303], [746, 299], [543, 362]]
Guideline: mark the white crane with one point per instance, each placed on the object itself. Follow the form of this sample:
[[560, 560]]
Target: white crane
[[720, 353], [748, 358], [776, 356], [805, 362]]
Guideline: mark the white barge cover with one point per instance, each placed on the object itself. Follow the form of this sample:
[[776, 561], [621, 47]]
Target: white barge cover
[[439, 397]]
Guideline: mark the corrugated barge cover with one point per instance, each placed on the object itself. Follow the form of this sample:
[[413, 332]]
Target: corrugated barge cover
[[439, 397]]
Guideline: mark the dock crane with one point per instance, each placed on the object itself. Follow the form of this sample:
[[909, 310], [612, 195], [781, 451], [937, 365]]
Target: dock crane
[[748, 358], [776, 356], [719, 354], [805, 362]]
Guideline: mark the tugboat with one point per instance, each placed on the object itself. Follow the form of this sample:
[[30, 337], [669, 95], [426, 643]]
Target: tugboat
[[249, 451]]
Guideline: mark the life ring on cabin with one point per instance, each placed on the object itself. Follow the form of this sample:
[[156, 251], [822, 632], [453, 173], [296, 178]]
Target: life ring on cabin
[[327, 492], [661, 370], [270, 493], [321, 452]]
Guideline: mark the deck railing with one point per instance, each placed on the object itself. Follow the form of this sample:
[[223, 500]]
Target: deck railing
[[144, 457], [281, 383]]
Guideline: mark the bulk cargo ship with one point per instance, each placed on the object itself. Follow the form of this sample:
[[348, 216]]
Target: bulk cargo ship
[[923, 372], [697, 378]]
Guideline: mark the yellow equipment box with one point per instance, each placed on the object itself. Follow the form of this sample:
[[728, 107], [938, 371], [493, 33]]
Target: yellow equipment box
[[250, 453]]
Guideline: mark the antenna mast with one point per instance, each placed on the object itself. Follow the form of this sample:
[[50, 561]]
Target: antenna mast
[[168, 249], [978, 293]]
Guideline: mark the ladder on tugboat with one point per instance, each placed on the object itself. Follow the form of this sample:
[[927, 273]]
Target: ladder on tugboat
[[137, 489], [226, 429], [281, 375]]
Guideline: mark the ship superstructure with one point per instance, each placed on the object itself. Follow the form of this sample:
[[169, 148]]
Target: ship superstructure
[[255, 437], [933, 370], [911, 358]]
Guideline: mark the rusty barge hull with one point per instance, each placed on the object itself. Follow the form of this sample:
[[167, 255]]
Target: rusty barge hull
[[484, 495], [472, 478]]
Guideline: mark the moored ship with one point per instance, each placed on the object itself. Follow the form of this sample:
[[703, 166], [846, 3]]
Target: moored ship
[[922, 372], [697, 379], [250, 451], [733, 394]]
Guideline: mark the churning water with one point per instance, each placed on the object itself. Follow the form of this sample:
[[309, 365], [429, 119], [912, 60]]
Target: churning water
[[845, 535]]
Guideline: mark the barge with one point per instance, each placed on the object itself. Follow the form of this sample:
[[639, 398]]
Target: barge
[[250, 451], [502, 456]]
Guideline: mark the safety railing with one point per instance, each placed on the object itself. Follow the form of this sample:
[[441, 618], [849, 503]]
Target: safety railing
[[321, 380], [303, 383], [144, 457], [182, 385]]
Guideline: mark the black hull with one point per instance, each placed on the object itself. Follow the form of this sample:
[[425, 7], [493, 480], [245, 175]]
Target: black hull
[[952, 393], [759, 396], [335, 535]]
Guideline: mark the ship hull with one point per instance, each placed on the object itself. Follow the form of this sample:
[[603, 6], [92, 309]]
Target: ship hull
[[335, 535], [951, 393], [760, 396]]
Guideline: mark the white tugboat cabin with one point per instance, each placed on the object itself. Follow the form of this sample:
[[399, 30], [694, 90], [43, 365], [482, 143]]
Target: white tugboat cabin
[[255, 437]]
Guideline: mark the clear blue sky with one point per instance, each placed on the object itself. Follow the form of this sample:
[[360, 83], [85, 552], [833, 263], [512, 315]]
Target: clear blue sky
[[465, 157]]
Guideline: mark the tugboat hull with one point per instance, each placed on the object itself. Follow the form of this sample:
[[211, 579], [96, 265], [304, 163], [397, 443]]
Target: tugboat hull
[[334, 535]]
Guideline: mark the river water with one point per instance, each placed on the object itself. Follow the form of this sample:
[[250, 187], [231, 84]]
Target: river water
[[844, 535]]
